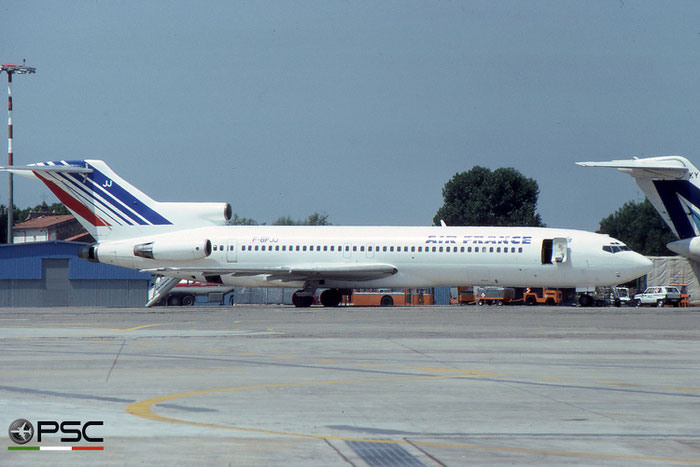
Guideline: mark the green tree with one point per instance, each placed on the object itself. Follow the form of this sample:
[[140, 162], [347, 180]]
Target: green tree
[[236, 220], [641, 227], [313, 219], [484, 197]]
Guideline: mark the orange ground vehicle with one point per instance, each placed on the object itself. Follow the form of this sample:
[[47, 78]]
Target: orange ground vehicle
[[462, 296], [685, 297], [390, 297], [540, 296]]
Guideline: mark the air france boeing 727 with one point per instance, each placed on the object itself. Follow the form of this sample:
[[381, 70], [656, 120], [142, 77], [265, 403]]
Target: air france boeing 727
[[195, 241]]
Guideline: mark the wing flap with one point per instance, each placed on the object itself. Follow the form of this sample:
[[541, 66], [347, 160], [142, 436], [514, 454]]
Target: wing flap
[[359, 272]]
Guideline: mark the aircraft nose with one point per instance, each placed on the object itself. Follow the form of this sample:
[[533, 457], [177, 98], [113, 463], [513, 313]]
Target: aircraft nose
[[637, 266]]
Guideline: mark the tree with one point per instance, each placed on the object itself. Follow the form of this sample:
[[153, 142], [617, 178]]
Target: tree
[[235, 220], [641, 227], [484, 197], [313, 219]]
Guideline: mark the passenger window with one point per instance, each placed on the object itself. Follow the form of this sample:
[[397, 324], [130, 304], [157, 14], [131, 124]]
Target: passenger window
[[347, 248], [383, 248], [491, 250], [391, 248], [498, 250], [434, 249], [447, 249], [369, 248], [440, 249], [476, 249], [420, 249], [362, 248], [332, 247], [413, 249], [256, 247], [354, 248], [297, 248], [461, 250], [325, 247], [304, 248]]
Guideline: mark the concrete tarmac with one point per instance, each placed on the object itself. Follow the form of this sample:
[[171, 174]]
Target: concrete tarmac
[[262, 385]]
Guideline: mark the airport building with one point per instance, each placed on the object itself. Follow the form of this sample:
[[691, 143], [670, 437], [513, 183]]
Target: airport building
[[51, 274]]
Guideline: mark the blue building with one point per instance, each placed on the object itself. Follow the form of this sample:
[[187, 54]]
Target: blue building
[[46, 274]]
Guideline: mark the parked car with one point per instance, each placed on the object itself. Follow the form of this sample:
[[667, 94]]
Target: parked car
[[658, 296]]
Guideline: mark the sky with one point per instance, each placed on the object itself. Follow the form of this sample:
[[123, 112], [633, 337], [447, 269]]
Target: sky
[[361, 110]]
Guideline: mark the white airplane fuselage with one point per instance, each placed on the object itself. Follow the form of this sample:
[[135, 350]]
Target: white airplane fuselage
[[420, 257]]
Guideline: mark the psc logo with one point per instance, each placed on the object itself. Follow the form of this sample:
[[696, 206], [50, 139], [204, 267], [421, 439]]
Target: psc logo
[[22, 431]]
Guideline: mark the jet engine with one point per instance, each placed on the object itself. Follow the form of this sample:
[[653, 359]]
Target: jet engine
[[173, 251]]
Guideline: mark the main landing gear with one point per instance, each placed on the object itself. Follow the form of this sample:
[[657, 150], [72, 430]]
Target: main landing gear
[[328, 298]]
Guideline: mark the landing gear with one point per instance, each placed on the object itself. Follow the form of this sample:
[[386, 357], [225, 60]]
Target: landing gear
[[302, 301], [331, 297], [585, 300]]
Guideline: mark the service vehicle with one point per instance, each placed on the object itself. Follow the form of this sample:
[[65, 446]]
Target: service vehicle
[[685, 296], [390, 297], [493, 295], [541, 296], [658, 296], [462, 296]]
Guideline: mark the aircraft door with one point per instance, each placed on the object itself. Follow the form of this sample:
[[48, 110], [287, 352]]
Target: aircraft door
[[560, 249], [555, 250], [232, 251]]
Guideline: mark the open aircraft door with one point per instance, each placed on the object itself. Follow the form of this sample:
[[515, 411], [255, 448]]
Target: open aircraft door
[[232, 251], [555, 250], [560, 250]]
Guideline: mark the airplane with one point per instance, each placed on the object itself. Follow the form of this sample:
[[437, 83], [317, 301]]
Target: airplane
[[672, 186], [194, 241]]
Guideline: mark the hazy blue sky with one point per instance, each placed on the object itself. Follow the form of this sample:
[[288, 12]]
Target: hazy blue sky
[[361, 110]]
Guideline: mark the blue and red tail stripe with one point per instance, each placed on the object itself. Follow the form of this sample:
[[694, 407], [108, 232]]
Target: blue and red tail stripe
[[99, 199]]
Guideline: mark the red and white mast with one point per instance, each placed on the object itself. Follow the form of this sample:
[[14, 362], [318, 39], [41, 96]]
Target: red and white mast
[[11, 69]]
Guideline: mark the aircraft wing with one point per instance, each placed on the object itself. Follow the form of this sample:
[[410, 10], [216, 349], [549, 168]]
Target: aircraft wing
[[662, 167], [350, 271]]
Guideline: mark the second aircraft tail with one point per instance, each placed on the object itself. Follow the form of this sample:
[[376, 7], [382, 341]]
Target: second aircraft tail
[[671, 184]]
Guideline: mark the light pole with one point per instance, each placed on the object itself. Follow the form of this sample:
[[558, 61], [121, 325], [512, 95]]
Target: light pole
[[11, 69]]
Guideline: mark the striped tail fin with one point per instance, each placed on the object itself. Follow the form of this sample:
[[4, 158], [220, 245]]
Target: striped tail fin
[[109, 206], [671, 185]]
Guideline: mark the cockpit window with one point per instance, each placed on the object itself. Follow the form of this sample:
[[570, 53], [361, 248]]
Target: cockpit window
[[616, 247]]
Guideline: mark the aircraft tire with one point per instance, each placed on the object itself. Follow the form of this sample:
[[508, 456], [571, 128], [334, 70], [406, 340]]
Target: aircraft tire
[[331, 298], [302, 301]]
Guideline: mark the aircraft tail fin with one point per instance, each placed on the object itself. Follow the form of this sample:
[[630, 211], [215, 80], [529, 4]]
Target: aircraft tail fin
[[671, 184], [109, 206]]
